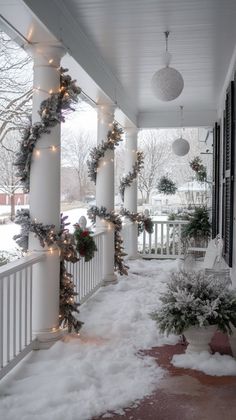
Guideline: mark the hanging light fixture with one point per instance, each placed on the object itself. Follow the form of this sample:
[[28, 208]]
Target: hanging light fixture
[[181, 146], [167, 83]]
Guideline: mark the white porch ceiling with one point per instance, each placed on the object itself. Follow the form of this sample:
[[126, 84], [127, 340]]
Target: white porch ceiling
[[120, 44]]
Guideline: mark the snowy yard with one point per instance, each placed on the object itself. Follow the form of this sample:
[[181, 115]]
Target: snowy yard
[[102, 369], [7, 231]]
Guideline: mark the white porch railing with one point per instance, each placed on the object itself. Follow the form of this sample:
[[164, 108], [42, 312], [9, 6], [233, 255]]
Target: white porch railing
[[16, 311], [88, 276], [164, 242]]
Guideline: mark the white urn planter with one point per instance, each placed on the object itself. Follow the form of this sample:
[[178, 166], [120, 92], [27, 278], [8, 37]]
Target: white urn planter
[[232, 341], [198, 338]]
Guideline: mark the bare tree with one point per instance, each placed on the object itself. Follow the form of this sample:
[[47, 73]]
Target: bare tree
[[156, 156], [15, 87], [9, 183], [75, 152]]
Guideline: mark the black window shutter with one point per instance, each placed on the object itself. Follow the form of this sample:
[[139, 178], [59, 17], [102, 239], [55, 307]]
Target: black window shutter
[[228, 175], [216, 180]]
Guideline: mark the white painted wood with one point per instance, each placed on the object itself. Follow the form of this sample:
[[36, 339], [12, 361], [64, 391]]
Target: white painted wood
[[105, 190], [164, 242], [88, 276], [16, 311]]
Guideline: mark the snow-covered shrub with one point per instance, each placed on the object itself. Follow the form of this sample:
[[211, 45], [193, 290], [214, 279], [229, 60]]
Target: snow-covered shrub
[[193, 299]]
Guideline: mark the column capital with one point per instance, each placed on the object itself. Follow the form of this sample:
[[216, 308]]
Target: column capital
[[106, 110], [131, 130], [46, 54]]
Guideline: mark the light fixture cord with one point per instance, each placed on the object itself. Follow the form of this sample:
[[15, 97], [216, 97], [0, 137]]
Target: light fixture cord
[[166, 36], [182, 118]]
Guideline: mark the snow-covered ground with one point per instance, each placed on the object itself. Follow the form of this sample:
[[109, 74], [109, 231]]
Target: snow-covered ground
[[7, 231], [102, 369]]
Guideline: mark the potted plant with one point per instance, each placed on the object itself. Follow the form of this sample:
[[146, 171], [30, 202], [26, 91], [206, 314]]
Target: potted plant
[[196, 305], [198, 228]]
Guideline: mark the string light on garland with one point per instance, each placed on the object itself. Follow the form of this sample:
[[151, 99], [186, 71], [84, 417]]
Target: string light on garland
[[144, 222], [114, 220], [128, 179], [114, 137], [52, 112], [65, 243]]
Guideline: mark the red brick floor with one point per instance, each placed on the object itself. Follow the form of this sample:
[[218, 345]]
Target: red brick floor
[[185, 394]]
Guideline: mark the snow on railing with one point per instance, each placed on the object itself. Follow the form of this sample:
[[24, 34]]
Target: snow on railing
[[16, 311], [164, 242], [88, 276]]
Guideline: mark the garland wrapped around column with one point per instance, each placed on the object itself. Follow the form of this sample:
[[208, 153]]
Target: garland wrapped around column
[[64, 240], [114, 218], [51, 114], [114, 137], [144, 222], [127, 180]]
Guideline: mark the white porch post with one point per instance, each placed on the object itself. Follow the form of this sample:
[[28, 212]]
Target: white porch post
[[130, 194], [45, 198], [105, 190]]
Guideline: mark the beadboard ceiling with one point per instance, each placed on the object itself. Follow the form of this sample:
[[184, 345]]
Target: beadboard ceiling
[[119, 44], [128, 34]]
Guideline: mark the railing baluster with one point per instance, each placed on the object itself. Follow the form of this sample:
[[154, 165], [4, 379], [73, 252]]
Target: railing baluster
[[14, 314], [174, 253], [155, 230], [8, 300], [1, 322], [30, 302], [167, 239], [179, 239], [20, 312], [162, 239]]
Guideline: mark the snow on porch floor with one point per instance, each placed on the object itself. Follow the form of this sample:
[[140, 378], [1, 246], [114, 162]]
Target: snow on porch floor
[[119, 367]]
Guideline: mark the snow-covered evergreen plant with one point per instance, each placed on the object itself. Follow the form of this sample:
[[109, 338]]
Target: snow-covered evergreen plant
[[193, 299]]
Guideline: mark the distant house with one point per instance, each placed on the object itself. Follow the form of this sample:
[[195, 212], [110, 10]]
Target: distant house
[[20, 198], [191, 193]]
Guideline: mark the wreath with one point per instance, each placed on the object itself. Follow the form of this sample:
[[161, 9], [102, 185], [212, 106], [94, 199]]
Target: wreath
[[197, 166], [166, 186], [85, 243]]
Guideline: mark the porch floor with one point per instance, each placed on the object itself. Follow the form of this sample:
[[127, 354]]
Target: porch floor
[[186, 394], [120, 366]]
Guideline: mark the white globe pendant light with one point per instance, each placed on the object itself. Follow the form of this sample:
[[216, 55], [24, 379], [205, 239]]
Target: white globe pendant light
[[181, 146], [167, 83]]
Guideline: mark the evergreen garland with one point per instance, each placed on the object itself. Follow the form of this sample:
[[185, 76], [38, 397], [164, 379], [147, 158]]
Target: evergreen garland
[[144, 222], [200, 170], [116, 221], [127, 180], [51, 114], [114, 137], [166, 186], [48, 237]]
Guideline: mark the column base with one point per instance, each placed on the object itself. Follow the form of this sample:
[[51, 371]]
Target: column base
[[134, 257], [45, 339], [109, 279]]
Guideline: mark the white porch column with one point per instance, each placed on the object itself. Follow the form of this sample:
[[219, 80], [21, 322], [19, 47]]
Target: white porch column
[[130, 194], [105, 190], [45, 198]]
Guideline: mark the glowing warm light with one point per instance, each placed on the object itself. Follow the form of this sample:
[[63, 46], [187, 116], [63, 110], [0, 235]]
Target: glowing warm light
[[37, 152], [53, 148], [50, 250], [50, 91], [50, 61]]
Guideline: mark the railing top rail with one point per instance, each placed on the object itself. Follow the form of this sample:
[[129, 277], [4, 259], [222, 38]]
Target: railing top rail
[[14, 266], [98, 232], [170, 222]]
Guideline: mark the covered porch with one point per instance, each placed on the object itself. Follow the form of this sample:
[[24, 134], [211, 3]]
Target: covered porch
[[113, 49]]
